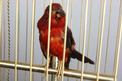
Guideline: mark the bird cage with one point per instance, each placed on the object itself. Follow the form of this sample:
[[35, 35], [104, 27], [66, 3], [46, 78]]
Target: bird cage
[[96, 26]]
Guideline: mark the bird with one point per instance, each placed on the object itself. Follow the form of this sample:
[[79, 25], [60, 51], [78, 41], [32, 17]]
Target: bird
[[57, 32]]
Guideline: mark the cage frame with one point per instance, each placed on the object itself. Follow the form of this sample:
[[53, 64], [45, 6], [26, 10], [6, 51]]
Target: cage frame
[[70, 73]]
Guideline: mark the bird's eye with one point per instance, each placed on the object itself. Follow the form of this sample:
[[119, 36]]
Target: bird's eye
[[58, 10]]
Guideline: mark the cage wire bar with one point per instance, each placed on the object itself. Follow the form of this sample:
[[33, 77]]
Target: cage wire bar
[[84, 40], [26, 37], [33, 46], [98, 36], [4, 38], [66, 22], [54, 63], [101, 37], [80, 32], [89, 34], [42, 54], [32, 38], [118, 49], [71, 24], [108, 37], [71, 15], [70, 73], [16, 30], [119, 22], [18, 35], [0, 34], [48, 41]]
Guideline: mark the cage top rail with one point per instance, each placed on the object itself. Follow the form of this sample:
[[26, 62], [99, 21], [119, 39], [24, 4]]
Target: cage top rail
[[68, 73]]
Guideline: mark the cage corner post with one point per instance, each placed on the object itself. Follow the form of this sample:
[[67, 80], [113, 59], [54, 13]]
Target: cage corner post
[[0, 34]]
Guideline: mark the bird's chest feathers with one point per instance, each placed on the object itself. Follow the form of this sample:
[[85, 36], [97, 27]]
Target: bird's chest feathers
[[56, 42], [56, 36]]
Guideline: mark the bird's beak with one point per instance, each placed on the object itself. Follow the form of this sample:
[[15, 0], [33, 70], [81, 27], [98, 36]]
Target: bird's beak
[[60, 13]]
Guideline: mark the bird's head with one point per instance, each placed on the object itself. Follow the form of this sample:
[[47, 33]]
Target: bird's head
[[57, 16], [57, 11]]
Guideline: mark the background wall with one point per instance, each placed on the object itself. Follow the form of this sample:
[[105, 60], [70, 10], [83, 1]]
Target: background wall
[[75, 29]]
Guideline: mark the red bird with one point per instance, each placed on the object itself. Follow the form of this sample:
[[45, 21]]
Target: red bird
[[57, 37]]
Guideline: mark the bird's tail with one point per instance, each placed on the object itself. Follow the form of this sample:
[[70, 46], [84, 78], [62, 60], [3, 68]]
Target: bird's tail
[[77, 55]]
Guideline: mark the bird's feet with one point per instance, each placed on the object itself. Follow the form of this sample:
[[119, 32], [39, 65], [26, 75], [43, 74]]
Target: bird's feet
[[59, 70], [45, 69]]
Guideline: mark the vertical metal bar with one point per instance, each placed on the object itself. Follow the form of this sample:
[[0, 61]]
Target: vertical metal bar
[[16, 30], [118, 49], [100, 47], [33, 51], [71, 25], [42, 54], [84, 39], [66, 22], [18, 35], [71, 15], [48, 44], [0, 34], [0, 31], [26, 37], [32, 37], [117, 36], [108, 37], [80, 32], [89, 33], [4, 38], [98, 37]]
